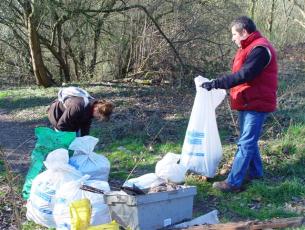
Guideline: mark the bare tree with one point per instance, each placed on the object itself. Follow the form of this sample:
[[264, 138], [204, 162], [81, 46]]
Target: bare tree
[[271, 20], [24, 26], [301, 9], [97, 40], [253, 8]]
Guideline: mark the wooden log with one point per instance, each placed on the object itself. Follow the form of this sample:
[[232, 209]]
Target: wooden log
[[254, 225]]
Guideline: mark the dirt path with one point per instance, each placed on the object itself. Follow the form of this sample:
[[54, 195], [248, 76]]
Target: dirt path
[[17, 140]]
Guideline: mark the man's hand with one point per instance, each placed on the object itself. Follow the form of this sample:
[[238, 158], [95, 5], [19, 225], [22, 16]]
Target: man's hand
[[208, 85]]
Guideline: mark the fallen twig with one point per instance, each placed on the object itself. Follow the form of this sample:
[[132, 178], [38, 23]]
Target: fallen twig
[[255, 225]]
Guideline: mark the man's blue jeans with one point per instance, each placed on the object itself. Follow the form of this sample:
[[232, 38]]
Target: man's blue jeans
[[247, 157]]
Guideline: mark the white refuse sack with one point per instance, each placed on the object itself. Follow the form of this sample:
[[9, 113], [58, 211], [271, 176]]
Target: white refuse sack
[[87, 161], [144, 182], [169, 168], [209, 218], [202, 151], [70, 192], [41, 201]]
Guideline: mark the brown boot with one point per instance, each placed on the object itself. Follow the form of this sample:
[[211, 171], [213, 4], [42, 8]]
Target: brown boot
[[225, 187]]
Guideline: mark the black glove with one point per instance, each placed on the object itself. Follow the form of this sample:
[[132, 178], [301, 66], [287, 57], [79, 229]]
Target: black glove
[[209, 85]]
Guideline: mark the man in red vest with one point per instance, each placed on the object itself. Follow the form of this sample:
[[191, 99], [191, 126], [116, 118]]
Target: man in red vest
[[253, 86]]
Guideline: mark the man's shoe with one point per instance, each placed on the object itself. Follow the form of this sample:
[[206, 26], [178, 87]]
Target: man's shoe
[[225, 187]]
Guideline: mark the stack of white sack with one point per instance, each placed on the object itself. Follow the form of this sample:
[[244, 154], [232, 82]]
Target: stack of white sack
[[41, 201], [87, 161], [72, 191]]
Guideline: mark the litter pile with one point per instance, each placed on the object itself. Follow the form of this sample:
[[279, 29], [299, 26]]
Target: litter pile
[[67, 180], [168, 173], [67, 188], [67, 184]]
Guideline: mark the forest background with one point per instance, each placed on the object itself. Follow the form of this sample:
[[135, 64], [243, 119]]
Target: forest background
[[49, 42]]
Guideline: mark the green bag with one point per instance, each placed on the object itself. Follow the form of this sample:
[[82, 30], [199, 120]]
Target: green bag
[[47, 141]]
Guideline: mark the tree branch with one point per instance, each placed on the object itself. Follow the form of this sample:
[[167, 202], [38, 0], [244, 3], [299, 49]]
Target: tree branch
[[301, 23], [126, 8]]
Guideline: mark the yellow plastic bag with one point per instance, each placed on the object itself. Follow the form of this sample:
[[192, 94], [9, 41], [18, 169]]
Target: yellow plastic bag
[[110, 226], [80, 213]]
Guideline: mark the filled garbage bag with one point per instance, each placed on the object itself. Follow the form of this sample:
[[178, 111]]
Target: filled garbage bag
[[71, 192], [144, 182], [170, 169], [44, 187], [202, 151], [47, 141], [87, 161]]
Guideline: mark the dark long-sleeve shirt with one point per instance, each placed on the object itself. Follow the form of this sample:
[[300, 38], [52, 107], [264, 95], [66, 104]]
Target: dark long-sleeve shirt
[[253, 66], [72, 116]]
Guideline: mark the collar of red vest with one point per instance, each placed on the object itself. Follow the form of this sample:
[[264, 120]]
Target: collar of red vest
[[253, 36]]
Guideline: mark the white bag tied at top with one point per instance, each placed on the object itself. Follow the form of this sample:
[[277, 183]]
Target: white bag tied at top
[[202, 151], [87, 161], [41, 201], [169, 168]]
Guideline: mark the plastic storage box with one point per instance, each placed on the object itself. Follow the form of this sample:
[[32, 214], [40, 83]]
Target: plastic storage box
[[152, 211]]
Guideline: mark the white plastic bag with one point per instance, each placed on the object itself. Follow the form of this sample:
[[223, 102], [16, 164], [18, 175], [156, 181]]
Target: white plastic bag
[[73, 91], [44, 186], [169, 169], [100, 211], [70, 192], [202, 151], [87, 161], [144, 182], [209, 218]]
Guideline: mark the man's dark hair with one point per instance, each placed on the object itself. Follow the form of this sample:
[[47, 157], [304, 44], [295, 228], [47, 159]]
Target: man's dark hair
[[244, 22]]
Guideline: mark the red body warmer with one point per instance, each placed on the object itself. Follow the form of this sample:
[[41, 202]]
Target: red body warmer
[[260, 93]]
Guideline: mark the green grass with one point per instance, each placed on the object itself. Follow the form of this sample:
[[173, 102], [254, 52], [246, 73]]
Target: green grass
[[27, 103], [263, 199], [130, 153], [30, 225]]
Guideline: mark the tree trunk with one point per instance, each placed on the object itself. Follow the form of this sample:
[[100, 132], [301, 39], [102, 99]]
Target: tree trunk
[[59, 35], [66, 68], [97, 34], [40, 72], [252, 9], [82, 63], [74, 59], [271, 20], [62, 60]]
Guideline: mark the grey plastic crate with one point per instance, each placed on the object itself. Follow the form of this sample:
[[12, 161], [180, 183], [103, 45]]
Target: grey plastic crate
[[152, 211]]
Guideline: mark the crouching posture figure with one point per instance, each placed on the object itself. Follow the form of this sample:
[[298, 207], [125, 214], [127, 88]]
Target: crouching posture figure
[[74, 110]]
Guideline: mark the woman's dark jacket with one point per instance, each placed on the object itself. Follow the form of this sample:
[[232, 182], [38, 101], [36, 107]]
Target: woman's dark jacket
[[71, 116]]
